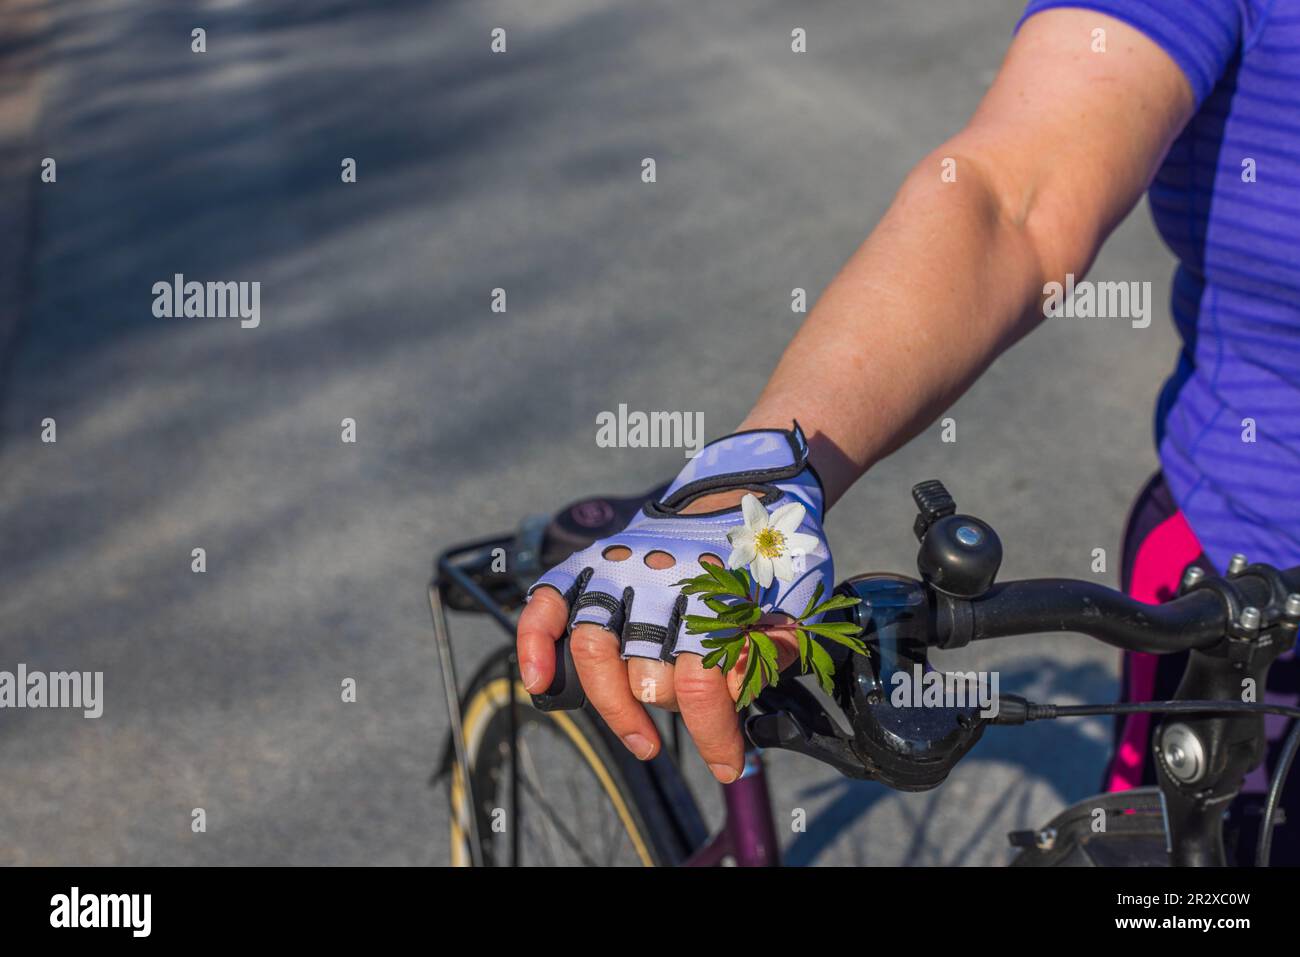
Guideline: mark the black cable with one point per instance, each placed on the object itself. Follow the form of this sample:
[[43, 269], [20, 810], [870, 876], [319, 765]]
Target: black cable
[[1264, 846], [1013, 709], [1038, 712]]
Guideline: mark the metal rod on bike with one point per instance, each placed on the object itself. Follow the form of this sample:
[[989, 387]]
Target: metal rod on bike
[[446, 664], [512, 669], [476, 592]]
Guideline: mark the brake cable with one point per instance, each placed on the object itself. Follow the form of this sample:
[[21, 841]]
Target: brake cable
[[1022, 710], [1264, 846]]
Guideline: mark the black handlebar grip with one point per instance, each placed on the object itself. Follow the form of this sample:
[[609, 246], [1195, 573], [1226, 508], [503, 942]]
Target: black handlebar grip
[[565, 693]]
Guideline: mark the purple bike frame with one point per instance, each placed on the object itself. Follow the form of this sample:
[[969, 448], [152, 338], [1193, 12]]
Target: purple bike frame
[[748, 835]]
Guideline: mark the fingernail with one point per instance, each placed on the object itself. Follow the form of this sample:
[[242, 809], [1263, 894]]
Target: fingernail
[[724, 772], [639, 745], [528, 672]]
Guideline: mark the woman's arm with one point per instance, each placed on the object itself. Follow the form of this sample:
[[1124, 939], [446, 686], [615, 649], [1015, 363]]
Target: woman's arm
[[1060, 149]]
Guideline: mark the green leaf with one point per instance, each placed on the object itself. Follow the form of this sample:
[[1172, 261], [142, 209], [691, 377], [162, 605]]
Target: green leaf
[[804, 641], [733, 611], [711, 587], [733, 655], [751, 684], [742, 577], [849, 641], [829, 628], [705, 623], [757, 683], [698, 581], [823, 667], [834, 602], [713, 657], [725, 631], [766, 647], [812, 601], [707, 593], [721, 642], [726, 581], [767, 652], [856, 646], [742, 614]]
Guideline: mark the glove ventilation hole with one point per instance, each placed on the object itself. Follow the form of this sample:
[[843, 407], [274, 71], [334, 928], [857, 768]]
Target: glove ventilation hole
[[708, 558], [616, 553], [659, 560]]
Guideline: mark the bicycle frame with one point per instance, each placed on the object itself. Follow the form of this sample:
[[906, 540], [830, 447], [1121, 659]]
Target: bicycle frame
[[748, 834]]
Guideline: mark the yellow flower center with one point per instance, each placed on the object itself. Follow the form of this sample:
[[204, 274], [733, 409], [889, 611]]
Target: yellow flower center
[[769, 543]]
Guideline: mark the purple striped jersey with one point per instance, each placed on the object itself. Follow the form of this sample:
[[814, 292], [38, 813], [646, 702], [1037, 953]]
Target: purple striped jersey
[[1227, 201]]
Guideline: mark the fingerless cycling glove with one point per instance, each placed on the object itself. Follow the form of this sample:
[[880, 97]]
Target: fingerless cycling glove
[[642, 605]]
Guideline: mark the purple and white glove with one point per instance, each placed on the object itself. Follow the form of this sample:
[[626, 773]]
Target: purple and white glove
[[779, 536]]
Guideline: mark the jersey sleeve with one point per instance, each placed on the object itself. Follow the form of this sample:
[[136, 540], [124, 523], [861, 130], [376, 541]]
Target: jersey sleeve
[[1201, 36]]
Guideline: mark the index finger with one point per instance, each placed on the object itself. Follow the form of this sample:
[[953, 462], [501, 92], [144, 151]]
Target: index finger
[[541, 625]]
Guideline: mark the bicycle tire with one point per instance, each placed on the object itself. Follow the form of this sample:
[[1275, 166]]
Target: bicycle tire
[[646, 799]]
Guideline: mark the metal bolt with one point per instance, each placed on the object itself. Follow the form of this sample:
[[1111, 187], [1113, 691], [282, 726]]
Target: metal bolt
[[1046, 839], [968, 535], [1192, 576], [1237, 565], [1250, 618], [869, 688], [1183, 753], [1292, 608]]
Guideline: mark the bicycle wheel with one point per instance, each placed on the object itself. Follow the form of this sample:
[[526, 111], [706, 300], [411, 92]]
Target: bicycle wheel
[[567, 796]]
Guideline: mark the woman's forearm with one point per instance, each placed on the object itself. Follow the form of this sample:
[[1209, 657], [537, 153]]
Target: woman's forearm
[[945, 282], [1063, 144]]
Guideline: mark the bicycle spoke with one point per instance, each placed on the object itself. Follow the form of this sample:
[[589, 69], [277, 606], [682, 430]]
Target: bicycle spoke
[[536, 792], [558, 812], [546, 810]]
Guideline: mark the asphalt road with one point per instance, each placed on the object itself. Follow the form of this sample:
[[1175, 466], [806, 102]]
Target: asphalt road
[[475, 171]]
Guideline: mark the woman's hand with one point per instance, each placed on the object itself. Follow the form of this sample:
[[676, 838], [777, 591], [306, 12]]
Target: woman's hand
[[620, 599]]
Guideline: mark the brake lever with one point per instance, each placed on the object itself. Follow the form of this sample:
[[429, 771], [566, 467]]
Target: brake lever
[[780, 729], [907, 747], [794, 720]]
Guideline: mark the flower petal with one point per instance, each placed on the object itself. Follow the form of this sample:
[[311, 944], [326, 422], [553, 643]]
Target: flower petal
[[799, 542], [756, 516], [762, 570], [783, 568], [739, 534], [742, 554], [788, 517]]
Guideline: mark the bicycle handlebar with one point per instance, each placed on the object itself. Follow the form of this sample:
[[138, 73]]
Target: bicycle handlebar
[[1198, 619], [1235, 626]]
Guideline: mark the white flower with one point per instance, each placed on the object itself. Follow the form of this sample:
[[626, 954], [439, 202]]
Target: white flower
[[766, 542]]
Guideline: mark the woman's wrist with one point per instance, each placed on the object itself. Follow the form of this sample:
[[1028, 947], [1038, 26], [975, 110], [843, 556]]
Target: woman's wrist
[[834, 467], [716, 501]]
